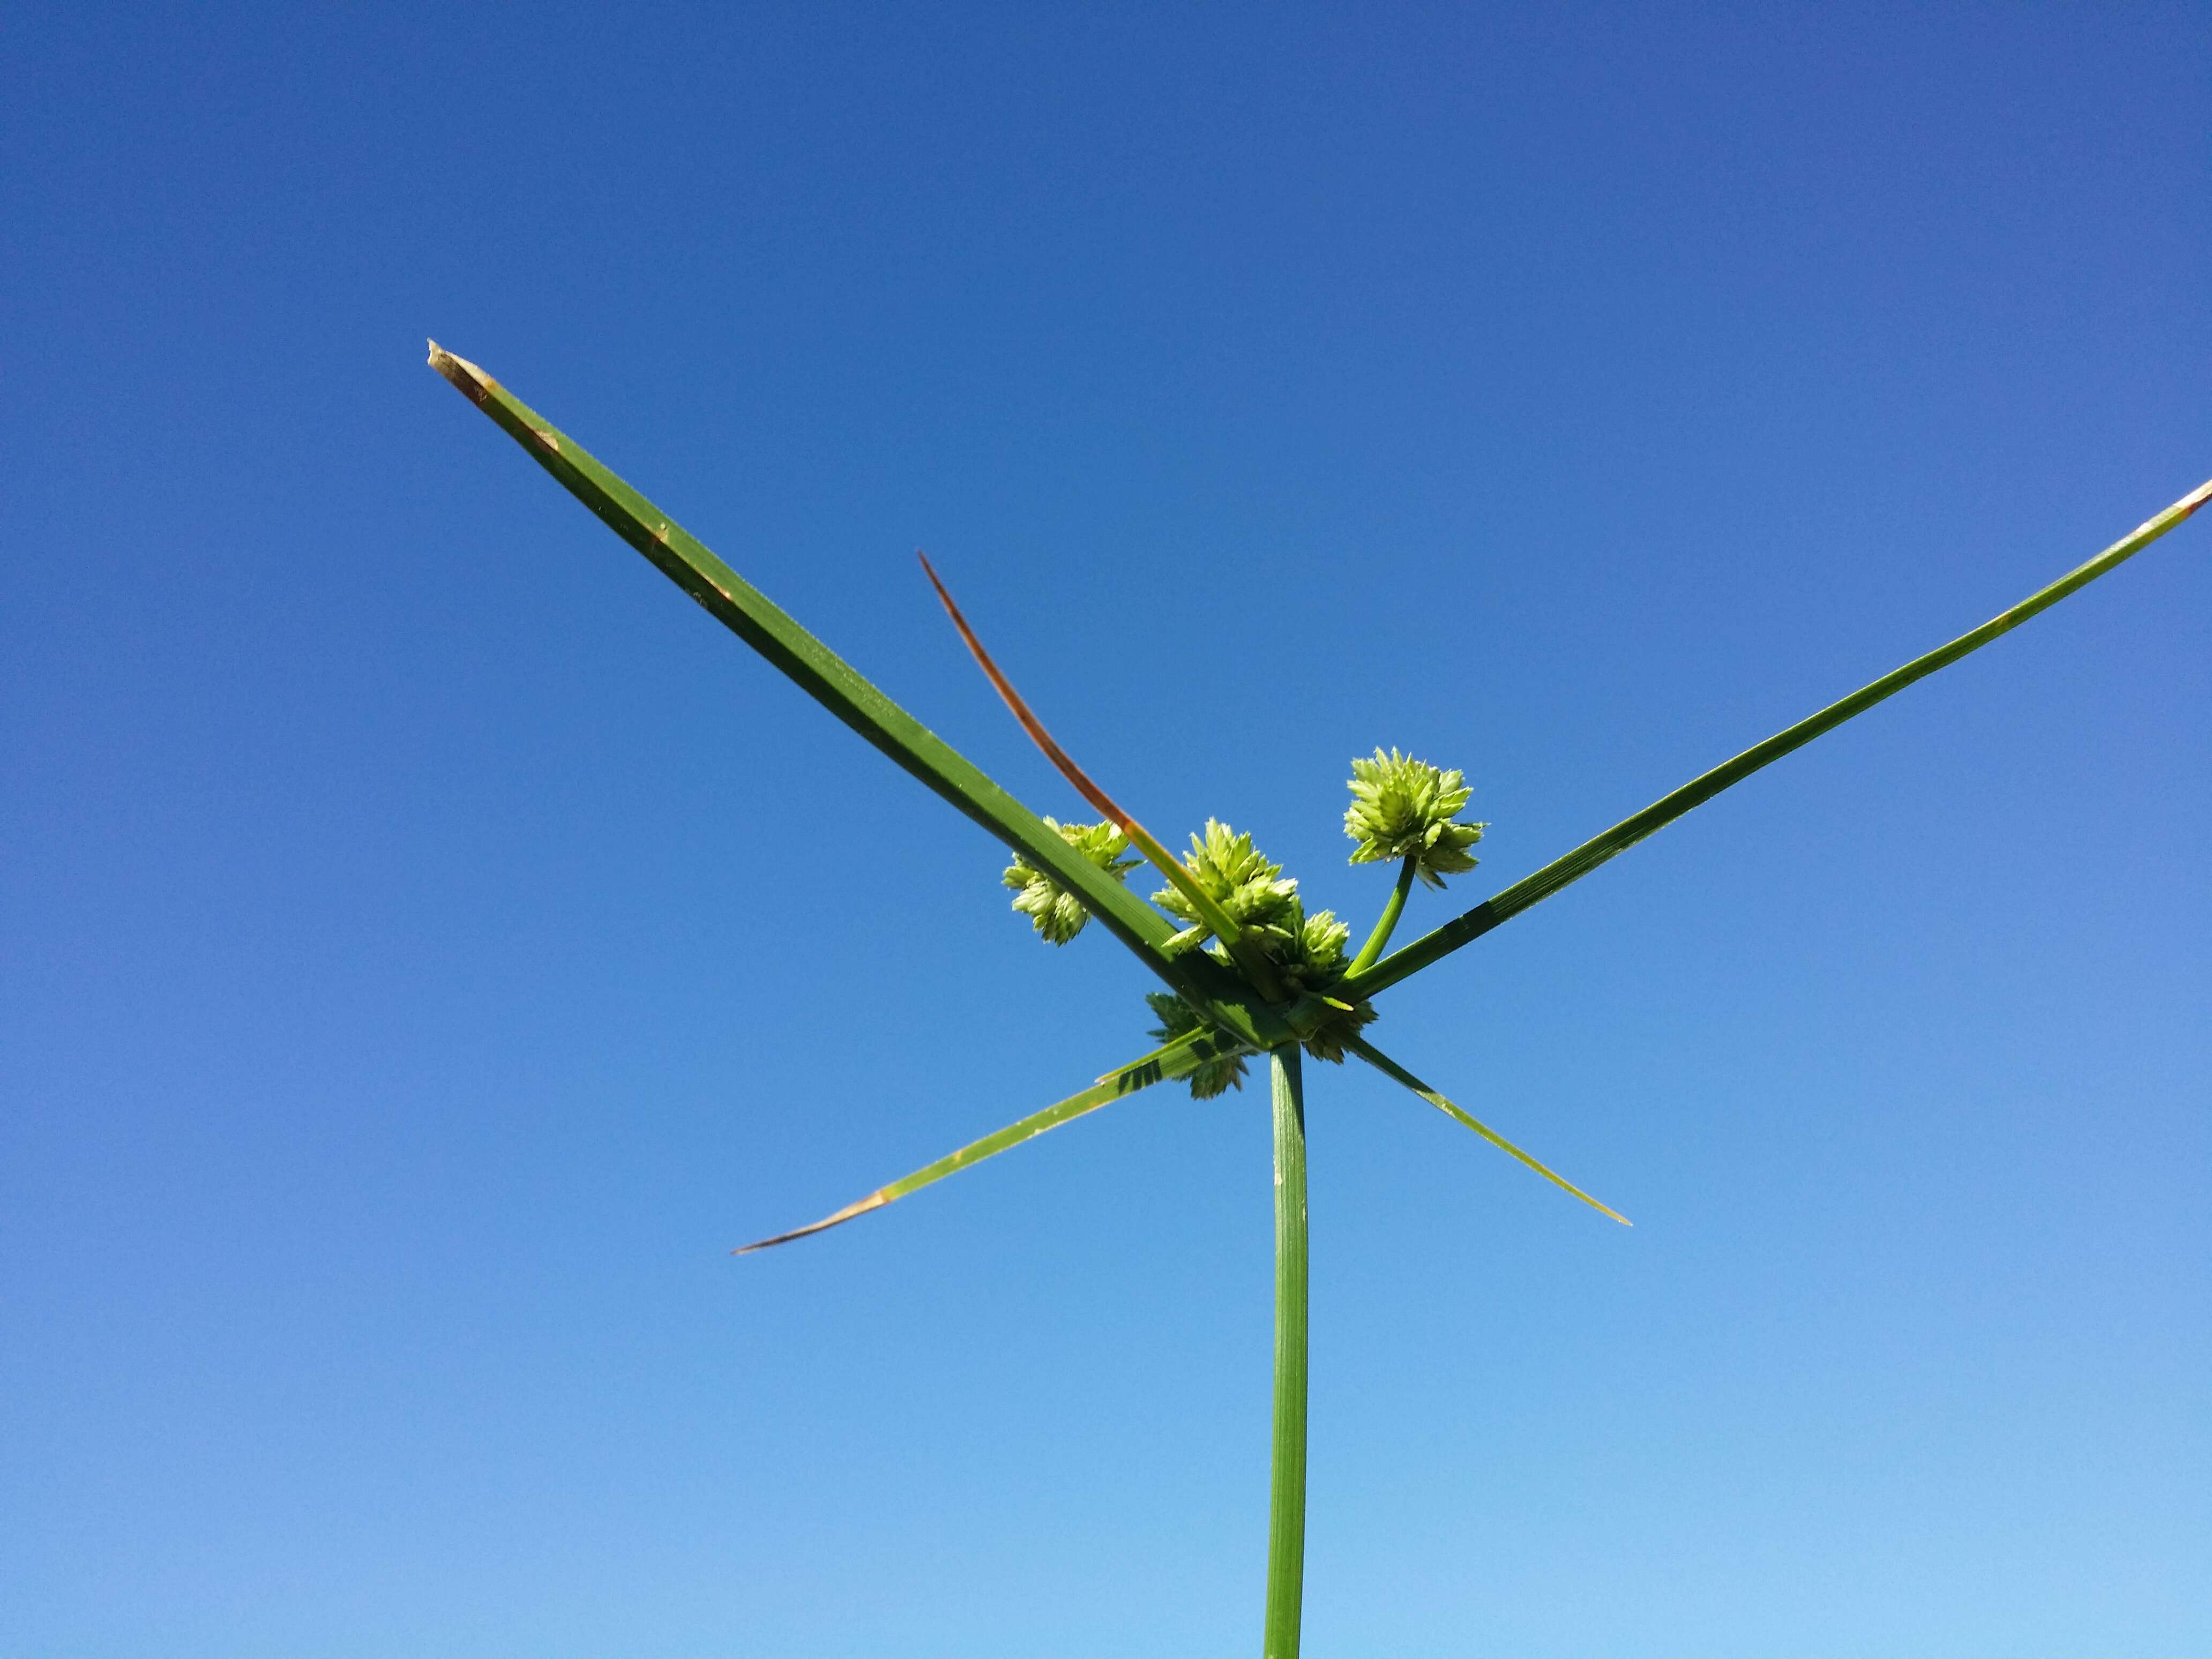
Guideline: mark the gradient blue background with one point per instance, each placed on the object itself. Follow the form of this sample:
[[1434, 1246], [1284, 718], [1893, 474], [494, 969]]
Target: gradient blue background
[[430, 943]]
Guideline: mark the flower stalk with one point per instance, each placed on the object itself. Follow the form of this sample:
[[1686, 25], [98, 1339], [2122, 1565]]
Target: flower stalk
[[1286, 1505], [1371, 952]]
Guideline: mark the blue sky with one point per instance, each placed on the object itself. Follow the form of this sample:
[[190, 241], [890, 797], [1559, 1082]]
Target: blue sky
[[430, 944]]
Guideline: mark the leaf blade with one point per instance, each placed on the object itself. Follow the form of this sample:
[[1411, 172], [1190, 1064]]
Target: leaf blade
[[834, 683], [1572, 866], [1177, 1058], [1397, 1073]]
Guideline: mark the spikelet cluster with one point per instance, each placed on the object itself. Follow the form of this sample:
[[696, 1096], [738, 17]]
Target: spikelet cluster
[[1236, 876], [1307, 952], [1178, 1018], [1406, 808], [1057, 913]]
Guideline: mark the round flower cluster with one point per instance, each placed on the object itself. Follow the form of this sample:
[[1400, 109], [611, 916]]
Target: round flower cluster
[[1058, 913], [1405, 808]]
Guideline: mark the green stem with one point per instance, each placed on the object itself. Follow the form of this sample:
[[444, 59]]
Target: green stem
[[1388, 920], [1286, 1507]]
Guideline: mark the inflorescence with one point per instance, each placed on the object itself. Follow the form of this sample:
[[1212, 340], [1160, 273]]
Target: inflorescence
[[1401, 809]]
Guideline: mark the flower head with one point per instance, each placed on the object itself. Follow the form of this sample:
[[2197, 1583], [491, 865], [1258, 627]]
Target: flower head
[[1178, 1018], [1406, 808], [1058, 915], [1316, 967], [1238, 877], [1307, 952]]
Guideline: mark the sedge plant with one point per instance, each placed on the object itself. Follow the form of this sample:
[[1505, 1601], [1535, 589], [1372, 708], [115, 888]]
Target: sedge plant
[[1246, 972]]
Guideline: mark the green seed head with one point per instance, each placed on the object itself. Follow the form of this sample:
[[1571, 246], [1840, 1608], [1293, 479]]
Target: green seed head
[[1057, 913], [1317, 964], [1238, 877], [1406, 808], [1177, 1018], [1308, 951]]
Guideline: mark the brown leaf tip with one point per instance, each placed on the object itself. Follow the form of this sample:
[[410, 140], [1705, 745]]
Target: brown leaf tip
[[467, 379]]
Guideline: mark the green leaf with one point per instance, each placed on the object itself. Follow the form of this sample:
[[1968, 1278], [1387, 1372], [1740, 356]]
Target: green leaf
[[833, 682], [1390, 1068], [1178, 1058], [1663, 812]]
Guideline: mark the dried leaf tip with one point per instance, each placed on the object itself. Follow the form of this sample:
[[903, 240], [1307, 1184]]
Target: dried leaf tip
[[2195, 499], [874, 1200], [1029, 723], [467, 379], [1224, 928]]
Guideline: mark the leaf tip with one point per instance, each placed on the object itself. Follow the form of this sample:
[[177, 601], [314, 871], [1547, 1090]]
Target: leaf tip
[[874, 1200], [465, 377]]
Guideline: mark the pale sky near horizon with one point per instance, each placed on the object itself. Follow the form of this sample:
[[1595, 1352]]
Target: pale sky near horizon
[[430, 943]]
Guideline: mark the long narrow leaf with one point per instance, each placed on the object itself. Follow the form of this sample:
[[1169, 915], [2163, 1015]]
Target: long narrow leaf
[[816, 670], [1390, 1068], [826, 678], [1224, 925], [1575, 865], [1178, 1058]]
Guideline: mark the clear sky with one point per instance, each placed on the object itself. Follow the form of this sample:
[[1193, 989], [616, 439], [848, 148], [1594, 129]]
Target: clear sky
[[430, 943]]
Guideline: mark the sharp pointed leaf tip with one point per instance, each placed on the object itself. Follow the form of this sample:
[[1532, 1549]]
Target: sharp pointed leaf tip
[[1175, 1060], [1390, 1068], [874, 1200]]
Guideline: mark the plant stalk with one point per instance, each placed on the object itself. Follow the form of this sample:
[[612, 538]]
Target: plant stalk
[[1370, 951], [1286, 1507]]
